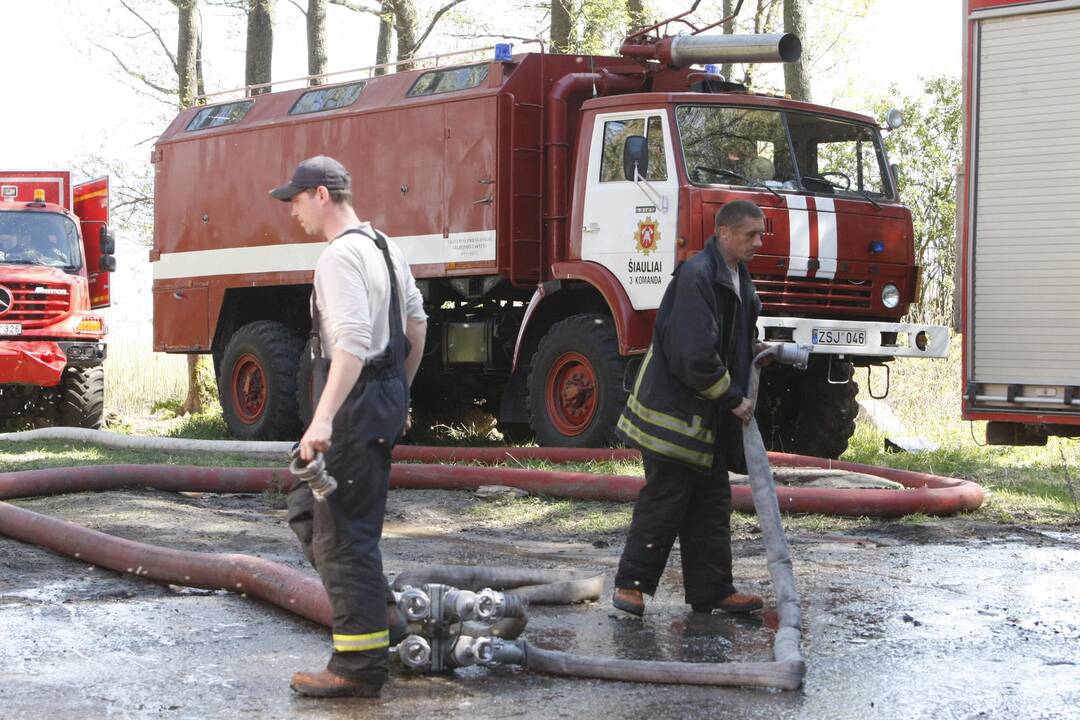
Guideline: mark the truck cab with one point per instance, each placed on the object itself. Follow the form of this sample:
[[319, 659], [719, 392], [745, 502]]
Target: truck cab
[[54, 275]]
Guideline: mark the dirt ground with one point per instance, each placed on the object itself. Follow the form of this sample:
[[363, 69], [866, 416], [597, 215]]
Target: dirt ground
[[943, 620]]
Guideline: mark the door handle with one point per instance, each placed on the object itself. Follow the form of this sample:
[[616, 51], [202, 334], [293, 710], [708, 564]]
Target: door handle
[[484, 201], [591, 227]]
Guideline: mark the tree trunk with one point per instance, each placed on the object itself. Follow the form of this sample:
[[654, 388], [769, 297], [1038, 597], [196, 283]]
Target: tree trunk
[[260, 44], [796, 81], [729, 29], [316, 40], [386, 28], [199, 64], [560, 25], [635, 13], [405, 26], [187, 49]]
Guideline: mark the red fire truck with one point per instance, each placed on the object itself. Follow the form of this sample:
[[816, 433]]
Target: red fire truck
[[1020, 250], [56, 254], [543, 201]]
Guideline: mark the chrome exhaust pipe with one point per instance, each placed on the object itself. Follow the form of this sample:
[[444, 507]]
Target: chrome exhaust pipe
[[685, 50], [701, 49]]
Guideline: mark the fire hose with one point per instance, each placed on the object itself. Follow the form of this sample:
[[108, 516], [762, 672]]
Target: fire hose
[[489, 639]]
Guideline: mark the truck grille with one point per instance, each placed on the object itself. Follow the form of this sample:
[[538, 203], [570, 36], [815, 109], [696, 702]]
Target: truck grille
[[780, 291], [33, 308]]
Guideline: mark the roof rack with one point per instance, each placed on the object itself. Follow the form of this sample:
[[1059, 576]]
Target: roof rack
[[421, 63]]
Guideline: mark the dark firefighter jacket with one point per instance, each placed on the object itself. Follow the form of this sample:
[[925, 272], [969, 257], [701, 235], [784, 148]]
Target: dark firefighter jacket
[[697, 367]]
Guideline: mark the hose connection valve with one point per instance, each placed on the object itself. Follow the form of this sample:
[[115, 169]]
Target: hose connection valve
[[313, 473]]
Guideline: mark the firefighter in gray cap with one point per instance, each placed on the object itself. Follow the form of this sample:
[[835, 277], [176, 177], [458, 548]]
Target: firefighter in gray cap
[[368, 330]]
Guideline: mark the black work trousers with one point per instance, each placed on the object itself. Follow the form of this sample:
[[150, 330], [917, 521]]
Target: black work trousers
[[340, 536], [695, 506]]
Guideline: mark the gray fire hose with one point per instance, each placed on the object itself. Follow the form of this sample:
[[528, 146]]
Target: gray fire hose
[[434, 648]]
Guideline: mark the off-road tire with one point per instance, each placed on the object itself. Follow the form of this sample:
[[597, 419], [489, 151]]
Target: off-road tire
[[81, 398], [803, 413], [593, 338], [276, 350]]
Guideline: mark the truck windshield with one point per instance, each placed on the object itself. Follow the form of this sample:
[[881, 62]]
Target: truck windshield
[[782, 151], [39, 238]]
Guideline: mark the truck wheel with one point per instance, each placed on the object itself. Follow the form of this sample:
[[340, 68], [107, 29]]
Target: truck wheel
[[575, 386], [81, 400], [803, 413], [257, 382]]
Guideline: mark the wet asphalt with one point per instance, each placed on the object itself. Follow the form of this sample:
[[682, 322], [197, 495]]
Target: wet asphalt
[[899, 621]]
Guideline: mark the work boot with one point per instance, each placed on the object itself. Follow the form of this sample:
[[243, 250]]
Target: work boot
[[328, 684], [733, 603], [630, 601]]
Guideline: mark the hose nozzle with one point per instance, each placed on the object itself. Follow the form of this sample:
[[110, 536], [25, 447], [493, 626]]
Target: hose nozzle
[[792, 354], [313, 473]]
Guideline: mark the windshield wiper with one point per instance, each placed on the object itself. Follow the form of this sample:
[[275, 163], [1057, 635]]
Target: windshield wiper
[[737, 176], [861, 193]]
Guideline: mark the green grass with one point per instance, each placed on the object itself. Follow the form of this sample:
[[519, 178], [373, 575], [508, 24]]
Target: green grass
[[59, 453]]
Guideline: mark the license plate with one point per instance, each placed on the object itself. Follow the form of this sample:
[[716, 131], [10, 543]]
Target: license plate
[[838, 336], [10, 328]]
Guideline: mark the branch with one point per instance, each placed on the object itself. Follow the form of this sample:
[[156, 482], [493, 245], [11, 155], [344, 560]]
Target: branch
[[357, 8], [431, 25], [298, 7], [157, 34], [138, 76]]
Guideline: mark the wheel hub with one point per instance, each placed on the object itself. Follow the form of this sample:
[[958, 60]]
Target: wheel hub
[[572, 393], [248, 388]]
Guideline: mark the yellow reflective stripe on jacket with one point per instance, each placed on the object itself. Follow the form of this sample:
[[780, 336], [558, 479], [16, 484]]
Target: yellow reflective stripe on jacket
[[663, 447], [718, 388], [356, 643], [670, 422]]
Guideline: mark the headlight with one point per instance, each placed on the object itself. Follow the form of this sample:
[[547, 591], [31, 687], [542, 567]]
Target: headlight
[[890, 296]]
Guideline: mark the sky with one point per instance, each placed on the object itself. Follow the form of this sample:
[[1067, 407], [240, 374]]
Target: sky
[[66, 100]]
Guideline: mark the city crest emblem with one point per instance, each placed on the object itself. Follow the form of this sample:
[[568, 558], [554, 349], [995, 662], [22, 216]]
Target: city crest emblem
[[647, 235]]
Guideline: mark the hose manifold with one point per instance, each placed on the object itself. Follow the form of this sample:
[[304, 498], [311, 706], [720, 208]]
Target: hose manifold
[[313, 473]]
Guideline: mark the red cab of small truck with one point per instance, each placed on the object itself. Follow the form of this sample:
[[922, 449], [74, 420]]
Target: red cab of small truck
[[56, 254]]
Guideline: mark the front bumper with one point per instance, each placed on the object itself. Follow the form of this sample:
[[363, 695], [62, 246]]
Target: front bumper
[[858, 338], [31, 362]]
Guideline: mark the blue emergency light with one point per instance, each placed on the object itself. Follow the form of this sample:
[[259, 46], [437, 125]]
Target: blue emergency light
[[712, 69], [504, 52], [877, 247]]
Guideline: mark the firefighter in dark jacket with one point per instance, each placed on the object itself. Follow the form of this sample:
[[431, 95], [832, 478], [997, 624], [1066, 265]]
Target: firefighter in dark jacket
[[686, 415]]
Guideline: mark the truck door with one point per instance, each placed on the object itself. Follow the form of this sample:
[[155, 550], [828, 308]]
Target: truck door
[[92, 207], [629, 225]]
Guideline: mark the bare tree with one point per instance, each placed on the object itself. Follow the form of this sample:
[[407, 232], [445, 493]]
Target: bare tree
[[796, 79], [316, 39], [561, 25], [729, 29], [399, 16], [635, 10], [405, 23], [260, 44], [187, 52], [386, 32]]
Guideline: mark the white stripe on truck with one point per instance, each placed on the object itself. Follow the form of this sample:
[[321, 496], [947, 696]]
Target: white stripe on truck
[[460, 247]]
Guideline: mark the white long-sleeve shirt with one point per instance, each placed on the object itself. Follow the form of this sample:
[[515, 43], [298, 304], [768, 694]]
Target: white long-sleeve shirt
[[352, 287]]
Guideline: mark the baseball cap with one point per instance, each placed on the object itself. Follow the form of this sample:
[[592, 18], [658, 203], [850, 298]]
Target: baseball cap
[[313, 172]]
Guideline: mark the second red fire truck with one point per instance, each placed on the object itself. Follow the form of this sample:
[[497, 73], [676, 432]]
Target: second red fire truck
[[543, 202]]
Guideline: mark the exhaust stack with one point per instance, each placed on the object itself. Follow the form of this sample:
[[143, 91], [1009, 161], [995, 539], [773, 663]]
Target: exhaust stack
[[685, 50]]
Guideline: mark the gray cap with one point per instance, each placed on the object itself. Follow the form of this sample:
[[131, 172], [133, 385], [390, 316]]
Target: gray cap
[[313, 172]]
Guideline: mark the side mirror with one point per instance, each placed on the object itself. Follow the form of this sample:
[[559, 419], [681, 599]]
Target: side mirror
[[894, 119], [107, 241], [108, 263], [635, 153]]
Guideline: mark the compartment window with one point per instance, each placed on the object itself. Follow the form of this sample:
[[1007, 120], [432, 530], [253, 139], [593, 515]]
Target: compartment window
[[330, 98], [448, 80], [218, 115]]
